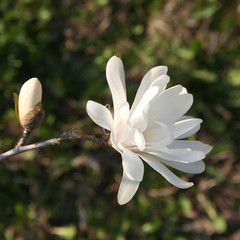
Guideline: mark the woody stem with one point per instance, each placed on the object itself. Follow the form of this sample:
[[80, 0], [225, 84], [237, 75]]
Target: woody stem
[[71, 134], [23, 139]]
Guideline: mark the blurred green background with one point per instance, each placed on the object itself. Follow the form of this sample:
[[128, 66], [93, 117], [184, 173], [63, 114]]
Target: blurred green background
[[69, 191]]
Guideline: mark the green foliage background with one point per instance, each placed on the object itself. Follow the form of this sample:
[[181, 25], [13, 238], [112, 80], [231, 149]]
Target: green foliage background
[[69, 191]]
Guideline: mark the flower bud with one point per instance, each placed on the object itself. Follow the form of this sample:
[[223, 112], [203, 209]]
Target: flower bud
[[28, 105]]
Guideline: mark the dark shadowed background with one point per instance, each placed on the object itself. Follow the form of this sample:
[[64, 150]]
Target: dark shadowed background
[[69, 192]]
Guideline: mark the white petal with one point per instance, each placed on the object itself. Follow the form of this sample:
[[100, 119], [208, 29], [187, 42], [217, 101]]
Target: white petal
[[161, 135], [193, 168], [122, 127], [30, 94], [169, 107], [164, 171], [178, 155], [181, 127], [124, 112], [139, 140], [161, 82], [127, 189], [190, 144], [140, 121], [161, 101], [146, 98], [147, 80], [132, 165], [190, 132], [184, 91], [100, 115], [116, 81]]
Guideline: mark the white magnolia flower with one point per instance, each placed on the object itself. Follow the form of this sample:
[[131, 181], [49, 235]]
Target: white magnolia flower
[[151, 129], [28, 105]]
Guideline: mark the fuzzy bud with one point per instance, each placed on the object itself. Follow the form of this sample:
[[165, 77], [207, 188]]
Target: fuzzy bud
[[28, 105]]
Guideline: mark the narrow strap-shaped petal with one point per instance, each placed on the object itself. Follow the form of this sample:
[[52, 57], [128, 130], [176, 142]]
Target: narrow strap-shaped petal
[[168, 107], [193, 168], [132, 165], [164, 171], [146, 98], [160, 135], [139, 140], [185, 155], [140, 121], [152, 75], [189, 132], [124, 112], [116, 81], [100, 115], [160, 102], [181, 127], [154, 89], [190, 144], [122, 128], [127, 189]]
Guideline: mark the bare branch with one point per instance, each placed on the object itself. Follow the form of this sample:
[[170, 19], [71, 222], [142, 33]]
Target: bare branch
[[93, 138], [16, 150], [68, 135]]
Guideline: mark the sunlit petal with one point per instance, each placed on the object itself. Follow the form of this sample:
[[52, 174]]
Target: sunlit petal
[[181, 127], [164, 171], [124, 112], [139, 140], [168, 108], [147, 97], [190, 132], [132, 165], [162, 100], [127, 189], [160, 134], [147, 80], [100, 115], [116, 81], [178, 155], [190, 144], [193, 168], [140, 121]]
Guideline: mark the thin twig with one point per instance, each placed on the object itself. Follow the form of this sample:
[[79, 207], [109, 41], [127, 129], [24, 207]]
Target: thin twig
[[23, 139], [16, 150], [68, 135]]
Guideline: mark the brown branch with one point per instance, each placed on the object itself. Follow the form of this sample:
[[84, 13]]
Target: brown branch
[[93, 138], [68, 135]]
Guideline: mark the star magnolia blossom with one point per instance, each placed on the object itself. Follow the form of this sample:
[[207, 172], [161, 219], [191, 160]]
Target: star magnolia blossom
[[151, 130]]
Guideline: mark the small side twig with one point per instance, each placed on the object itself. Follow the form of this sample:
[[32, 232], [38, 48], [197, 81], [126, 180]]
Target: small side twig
[[23, 139]]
